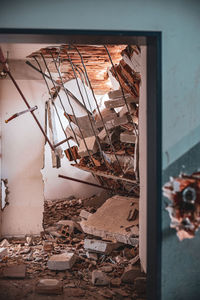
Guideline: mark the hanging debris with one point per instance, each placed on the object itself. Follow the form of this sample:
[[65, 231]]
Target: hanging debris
[[106, 136]]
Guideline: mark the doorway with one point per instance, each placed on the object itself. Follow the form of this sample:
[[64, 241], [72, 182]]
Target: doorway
[[153, 121]]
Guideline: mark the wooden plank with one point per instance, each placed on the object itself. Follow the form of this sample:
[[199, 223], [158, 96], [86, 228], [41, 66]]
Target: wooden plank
[[117, 94], [103, 174]]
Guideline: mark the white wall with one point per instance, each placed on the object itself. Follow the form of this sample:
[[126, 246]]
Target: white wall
[[22, 158]]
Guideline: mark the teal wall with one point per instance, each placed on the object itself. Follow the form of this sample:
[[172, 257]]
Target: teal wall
[[179, 22]]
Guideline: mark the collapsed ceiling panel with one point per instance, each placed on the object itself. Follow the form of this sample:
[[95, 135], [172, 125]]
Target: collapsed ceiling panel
[[95, 59], [102, 133]]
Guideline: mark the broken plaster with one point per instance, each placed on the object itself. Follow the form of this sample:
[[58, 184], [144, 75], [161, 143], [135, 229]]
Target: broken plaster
[[4, 193]]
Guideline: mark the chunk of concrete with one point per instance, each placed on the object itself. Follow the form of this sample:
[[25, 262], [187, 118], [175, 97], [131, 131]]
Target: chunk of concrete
[[100, 246], [4, 243], [92, 255], [91, 144], [127, 137], [97, 200], [61, 262], [84, 214], [15, 272], [110, 220], [70, 224], [130, 274], [47, 246], [3, 252], [49, 286], [99, 278]]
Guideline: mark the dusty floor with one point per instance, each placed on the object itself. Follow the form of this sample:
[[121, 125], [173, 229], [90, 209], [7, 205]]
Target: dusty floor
[[34, 253]]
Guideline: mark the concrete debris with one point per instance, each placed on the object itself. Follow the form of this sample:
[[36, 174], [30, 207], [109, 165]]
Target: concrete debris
[[77, 279], [100, 246], [99, 278], [103, 224], [61, 262], [92, 255], [49, 286], [130, 273], [4, 243], [127, 137], [29, 240], [3, 252], [47, 246], [109, 128], [68, 226], [89, 144], [97, 200], [16, 271], [84, 214]]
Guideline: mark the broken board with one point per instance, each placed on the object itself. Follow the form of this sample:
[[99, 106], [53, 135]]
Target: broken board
[[110, 221]]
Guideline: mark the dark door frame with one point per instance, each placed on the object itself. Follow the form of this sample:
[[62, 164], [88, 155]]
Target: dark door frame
[[154, 120]]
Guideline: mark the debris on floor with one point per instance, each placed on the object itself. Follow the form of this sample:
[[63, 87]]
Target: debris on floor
[[112, 220], [76, 264], [49, 286], [15, 271]]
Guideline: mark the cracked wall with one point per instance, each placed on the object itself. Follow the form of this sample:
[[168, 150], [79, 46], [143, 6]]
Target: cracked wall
[[22, 159]]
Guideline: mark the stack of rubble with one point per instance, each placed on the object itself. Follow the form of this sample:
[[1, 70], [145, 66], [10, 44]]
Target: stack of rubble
[[108, 139], [77, 255], [95, 59]]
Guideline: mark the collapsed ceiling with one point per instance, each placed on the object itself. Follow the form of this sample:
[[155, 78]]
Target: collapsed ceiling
[[95, 58]]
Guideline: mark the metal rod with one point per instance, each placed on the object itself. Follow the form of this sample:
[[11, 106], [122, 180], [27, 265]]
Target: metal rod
[[58, 84], [54, 106], [62, 142], [77, 123], [122, 89], [2, 59], [21, 113], [85, 182], [89, 117], [99, 109], [54, 84]]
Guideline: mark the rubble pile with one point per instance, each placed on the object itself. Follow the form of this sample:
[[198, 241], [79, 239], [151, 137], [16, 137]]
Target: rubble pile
[[108, 138], [65, 259], [95, 59], [102, 134]]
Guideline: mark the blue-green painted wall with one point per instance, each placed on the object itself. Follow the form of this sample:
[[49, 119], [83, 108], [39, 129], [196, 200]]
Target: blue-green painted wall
[[179, 22]]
